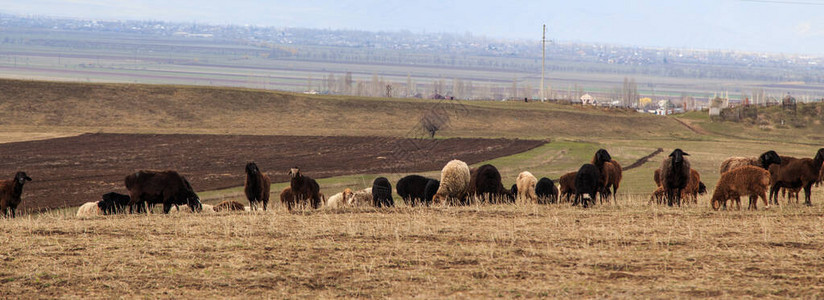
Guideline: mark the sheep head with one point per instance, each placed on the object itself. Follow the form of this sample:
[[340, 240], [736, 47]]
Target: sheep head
[[294, 172], [678, 156], [601, 156], [819, 156], [21, 177], [768, 158], [252, 168]]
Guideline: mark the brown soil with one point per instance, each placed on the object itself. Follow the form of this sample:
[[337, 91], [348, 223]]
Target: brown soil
[[70, 171]]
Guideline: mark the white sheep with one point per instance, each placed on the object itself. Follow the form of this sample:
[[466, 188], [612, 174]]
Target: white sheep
[[454, 183], [89, 209], [526, 187], [361, 198]]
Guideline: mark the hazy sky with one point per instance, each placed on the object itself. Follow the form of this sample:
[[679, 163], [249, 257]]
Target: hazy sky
[[790, 26]]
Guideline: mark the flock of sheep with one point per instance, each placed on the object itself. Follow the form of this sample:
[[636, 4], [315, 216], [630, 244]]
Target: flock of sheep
[[460, 185]]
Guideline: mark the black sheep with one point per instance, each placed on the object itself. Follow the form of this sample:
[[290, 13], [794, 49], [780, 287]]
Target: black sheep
[[547, 191], [675, 174], [167, 187], [113, 203], [382, 192], [304, 188], [10, 192], [412, 189], [431, 189], [513, 191], [485, 184], [587, 182]]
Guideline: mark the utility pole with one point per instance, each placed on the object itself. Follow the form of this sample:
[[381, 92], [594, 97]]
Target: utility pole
[[543, 62]]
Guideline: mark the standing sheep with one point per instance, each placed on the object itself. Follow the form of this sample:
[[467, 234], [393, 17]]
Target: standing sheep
[[526, 187], [256, 187], [675, 173], [287, 198], [412, 189], [612, 175], [454, 183], [764, 161], [546, 191], [587, 184], [382, 193], [10, 192], [743, 181], [485, 184], [567, 185], [796, 173], [304, 188]]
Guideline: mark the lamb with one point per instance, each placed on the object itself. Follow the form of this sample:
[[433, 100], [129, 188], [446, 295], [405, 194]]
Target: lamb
[[546, 191], [304, 188], [412, 189], [675, 173], [256, 187], [10, 192], [114, 203], [89, 209], [526, 187], [485, 184], [567, 185], [796, 173], [382, 192], [339, 200], [454, 183], [742, 181], [288, 199], [228, 205], [361, 198], [587, 184], [764, 161]]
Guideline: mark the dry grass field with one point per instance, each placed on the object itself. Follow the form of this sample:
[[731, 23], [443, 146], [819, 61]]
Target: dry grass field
[[628, 251]]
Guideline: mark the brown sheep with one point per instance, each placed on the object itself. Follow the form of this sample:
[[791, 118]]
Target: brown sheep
[[657, 177], [287, 198], [229, 205], [256, 187], [744, 181], [691, 191], [611, 177], [305, 188], [567, 185], [796, 173], [764, 161], [10, 192]]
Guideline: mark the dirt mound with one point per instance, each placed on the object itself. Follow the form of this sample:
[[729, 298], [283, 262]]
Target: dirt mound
[[73, 170]]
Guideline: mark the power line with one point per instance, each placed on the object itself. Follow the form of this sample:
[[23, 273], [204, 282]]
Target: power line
[[785, 2]]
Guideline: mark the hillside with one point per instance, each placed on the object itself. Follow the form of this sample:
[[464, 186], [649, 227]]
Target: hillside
[[132, 108]]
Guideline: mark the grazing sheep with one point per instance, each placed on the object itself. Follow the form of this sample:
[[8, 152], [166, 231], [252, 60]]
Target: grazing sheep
[[305, 188], [256, 187], [431, 189], [412, 189], [454, 183], [611, 176], [229, 205], [362, 198], [89, 209], [114, 203], [10, 192], [764, 161], [526, 187], [546, 191], [340, 199], [288, 199], [167, 187], [382, 192], [796, 173], [587, 184], [485, 184], [567, 185], [742, 181], [675, 173]]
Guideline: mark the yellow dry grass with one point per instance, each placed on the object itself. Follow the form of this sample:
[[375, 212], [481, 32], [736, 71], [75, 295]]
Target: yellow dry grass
[[627, 251]]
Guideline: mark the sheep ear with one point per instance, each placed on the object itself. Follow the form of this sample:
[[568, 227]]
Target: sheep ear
[[685, 154]]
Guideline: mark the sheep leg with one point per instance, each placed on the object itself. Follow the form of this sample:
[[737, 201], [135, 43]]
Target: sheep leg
[[13, 212], [774, 193], [753, 203], [808, 193], [167, 207]]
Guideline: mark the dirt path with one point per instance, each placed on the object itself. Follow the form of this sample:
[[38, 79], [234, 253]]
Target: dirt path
[[72, 170], [641, 161], [692, 127]]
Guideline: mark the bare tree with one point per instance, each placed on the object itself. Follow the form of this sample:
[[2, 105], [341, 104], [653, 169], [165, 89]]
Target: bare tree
[[433, 121]]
